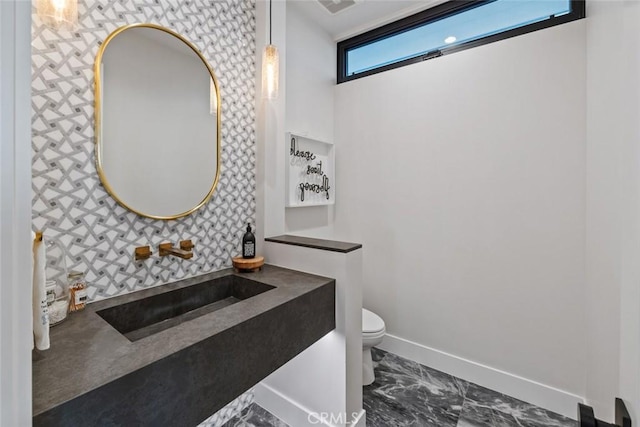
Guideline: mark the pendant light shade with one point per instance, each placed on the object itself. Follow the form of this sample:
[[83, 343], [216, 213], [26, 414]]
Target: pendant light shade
[[58, 13], [270, 67], [270, 63]]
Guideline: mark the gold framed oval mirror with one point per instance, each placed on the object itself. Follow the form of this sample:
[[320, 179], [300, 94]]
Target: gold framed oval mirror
[[157, 122]]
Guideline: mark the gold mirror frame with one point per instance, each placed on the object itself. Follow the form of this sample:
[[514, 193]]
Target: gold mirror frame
[[98, 119]]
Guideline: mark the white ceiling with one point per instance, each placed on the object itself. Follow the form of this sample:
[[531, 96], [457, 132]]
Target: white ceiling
[[363, 16]]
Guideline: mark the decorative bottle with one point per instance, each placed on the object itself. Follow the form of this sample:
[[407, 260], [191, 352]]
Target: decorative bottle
[[248, 244], [78, 291]]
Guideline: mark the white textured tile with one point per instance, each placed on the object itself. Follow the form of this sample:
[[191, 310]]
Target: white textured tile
[[68, 197]]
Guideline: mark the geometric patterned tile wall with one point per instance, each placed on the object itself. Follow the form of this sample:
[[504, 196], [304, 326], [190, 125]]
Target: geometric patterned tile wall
[[69, 202]]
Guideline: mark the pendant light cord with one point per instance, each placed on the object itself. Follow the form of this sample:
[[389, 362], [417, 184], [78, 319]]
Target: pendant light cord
[[270, 25]]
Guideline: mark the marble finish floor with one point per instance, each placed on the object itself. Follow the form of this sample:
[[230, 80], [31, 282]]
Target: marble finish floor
[[406, 393]]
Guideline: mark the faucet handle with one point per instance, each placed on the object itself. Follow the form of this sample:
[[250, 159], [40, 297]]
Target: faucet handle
[[142, 253], [186, 245]]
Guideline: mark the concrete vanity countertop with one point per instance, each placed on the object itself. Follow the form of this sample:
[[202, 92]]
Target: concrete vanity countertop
[[183, 374]]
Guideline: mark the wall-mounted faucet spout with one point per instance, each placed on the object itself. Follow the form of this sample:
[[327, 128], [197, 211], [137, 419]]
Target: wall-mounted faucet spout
[[165, 249]]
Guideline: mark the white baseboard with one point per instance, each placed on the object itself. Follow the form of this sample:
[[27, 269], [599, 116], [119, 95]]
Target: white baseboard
[[551, 398], [288, 410], [292, 412]]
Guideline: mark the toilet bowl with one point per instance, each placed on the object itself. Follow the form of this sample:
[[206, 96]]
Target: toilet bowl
[[372, 333]]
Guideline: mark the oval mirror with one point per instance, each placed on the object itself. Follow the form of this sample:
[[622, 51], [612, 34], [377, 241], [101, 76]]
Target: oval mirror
[[157, 122]]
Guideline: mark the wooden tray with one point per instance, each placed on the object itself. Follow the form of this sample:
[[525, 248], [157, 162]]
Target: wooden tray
[[248, 264]]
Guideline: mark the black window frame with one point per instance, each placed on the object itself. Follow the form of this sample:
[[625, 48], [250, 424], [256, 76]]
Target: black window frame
[[433, 14]]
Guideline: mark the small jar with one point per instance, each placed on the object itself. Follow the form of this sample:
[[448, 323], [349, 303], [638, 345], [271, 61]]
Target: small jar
[[56, 286], [58, 302], [58, 310], [77, 291]]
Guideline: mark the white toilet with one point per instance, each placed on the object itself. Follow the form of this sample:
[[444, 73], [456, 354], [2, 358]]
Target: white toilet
[[372, 334]]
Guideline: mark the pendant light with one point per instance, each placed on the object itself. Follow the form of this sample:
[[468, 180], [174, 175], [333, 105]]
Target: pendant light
[[58, 13], [270, 65]]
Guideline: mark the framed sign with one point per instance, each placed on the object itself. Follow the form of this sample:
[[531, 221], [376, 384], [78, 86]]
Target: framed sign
[[310, 172]]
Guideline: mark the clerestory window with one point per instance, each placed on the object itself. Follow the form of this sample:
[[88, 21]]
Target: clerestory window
[[448, 28]]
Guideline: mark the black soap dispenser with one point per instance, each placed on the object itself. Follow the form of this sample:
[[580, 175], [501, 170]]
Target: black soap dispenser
[[248, 244]]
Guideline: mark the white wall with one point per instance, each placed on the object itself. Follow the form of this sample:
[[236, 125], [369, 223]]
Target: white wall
[[270, 129], [16, 336], [326, 378], [612, 209], [305, 105], [603, 202], [464, 178], [630, 288], [496, 194], [311, 77]]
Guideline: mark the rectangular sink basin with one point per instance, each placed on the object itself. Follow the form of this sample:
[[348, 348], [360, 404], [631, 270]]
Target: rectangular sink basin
[[142, 318]]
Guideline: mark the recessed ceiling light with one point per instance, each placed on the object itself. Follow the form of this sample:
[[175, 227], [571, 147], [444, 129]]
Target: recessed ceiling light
[[450, 39], [335, 6]]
